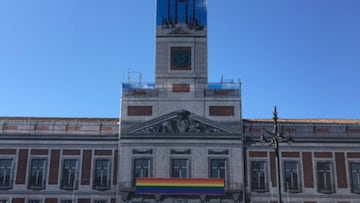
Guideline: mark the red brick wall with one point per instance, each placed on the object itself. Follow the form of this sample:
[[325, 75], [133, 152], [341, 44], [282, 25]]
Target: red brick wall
[[323, 154], [21, 167], [139, 111], [39, 152], [18, 200], [7, 151], [308, 170], [221, 111], [181, 88], [103, 152], [51, 200], [340, 169], [83, 200], [257, 154], [71, 152], [54, 167], [273, 169], [353, 154], [290, 154], [86, 167]]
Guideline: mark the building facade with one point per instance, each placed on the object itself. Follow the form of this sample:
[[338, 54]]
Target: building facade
[[180, 139]]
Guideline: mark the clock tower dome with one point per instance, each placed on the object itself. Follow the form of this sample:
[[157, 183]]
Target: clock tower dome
[[181, 48]]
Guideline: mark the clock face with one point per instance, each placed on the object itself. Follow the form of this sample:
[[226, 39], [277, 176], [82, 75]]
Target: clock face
[[181, 58]]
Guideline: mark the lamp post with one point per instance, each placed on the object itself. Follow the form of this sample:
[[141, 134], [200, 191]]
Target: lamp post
[[277, 137]]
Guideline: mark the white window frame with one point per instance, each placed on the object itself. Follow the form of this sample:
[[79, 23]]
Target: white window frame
[[34, 200], [266, 175], [100, 201], [354, 188], [320, 188], [44, 174], [107, 185], [187, 167], [10, 174], [149, 167], [75, 185], [4, 200], [298, 173]]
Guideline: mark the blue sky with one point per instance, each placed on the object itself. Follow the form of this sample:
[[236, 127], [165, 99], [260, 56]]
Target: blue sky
[[68, 58]]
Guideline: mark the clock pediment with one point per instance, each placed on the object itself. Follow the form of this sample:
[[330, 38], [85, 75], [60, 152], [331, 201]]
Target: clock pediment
[[179, 31], [179, 122]]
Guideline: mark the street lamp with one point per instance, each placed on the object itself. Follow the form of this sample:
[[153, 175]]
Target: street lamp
[[277, 137]]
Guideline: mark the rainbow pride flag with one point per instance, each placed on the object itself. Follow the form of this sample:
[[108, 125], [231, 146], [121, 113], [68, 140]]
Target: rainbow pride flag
[[192, 186]]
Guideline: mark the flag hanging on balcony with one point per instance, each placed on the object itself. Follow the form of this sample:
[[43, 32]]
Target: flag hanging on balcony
[[193, 186]]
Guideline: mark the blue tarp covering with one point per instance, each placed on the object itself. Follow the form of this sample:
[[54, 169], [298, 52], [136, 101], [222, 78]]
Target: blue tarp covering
[[227, 85], [138, 85]]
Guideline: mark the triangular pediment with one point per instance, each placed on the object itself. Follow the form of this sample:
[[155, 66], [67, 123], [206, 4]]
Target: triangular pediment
[[179, 31], [182, 122]]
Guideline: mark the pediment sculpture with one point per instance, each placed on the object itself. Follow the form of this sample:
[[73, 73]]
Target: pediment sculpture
[[180, 122]]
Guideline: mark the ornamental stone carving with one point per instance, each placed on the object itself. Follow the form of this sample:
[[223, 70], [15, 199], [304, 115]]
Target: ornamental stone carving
[[181, 123]]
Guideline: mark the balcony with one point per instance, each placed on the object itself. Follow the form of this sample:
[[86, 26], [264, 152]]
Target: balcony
[[355, 188], [65, 185], [260, 188], [6, 184], [102, 185], [326, 188], [295, 188]]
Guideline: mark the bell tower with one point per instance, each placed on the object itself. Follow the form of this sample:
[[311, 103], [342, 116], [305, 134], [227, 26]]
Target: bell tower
[[181, 48]]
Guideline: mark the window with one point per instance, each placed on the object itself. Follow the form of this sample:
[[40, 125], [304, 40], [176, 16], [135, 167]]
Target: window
[[69, 174], [142, 168], [6, 169], [180, 168], [100, 201], [102, 174], [34, 201], [217, 168], [291, 176], [324, 177], [37, 175], [258, 176], [355, 177], [66, 201]]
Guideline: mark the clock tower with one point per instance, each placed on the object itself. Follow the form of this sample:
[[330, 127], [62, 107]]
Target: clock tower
[[181, 48], [181, 70]]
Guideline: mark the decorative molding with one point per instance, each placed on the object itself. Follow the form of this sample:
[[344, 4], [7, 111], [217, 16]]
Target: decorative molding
[[142, 151], [179, 123], [218, 152], [180, 151]]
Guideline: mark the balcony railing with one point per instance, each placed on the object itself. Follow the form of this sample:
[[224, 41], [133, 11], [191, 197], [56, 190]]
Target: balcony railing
[[37, 186], [292, 188], [69, 186], [326, 188], [221, 93], [6, 185], [212, 90], [104, 185], [260, 187], [355, 188]]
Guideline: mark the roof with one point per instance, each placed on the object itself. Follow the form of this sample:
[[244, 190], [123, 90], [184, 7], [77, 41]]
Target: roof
[[309, 121], [60, 119]]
